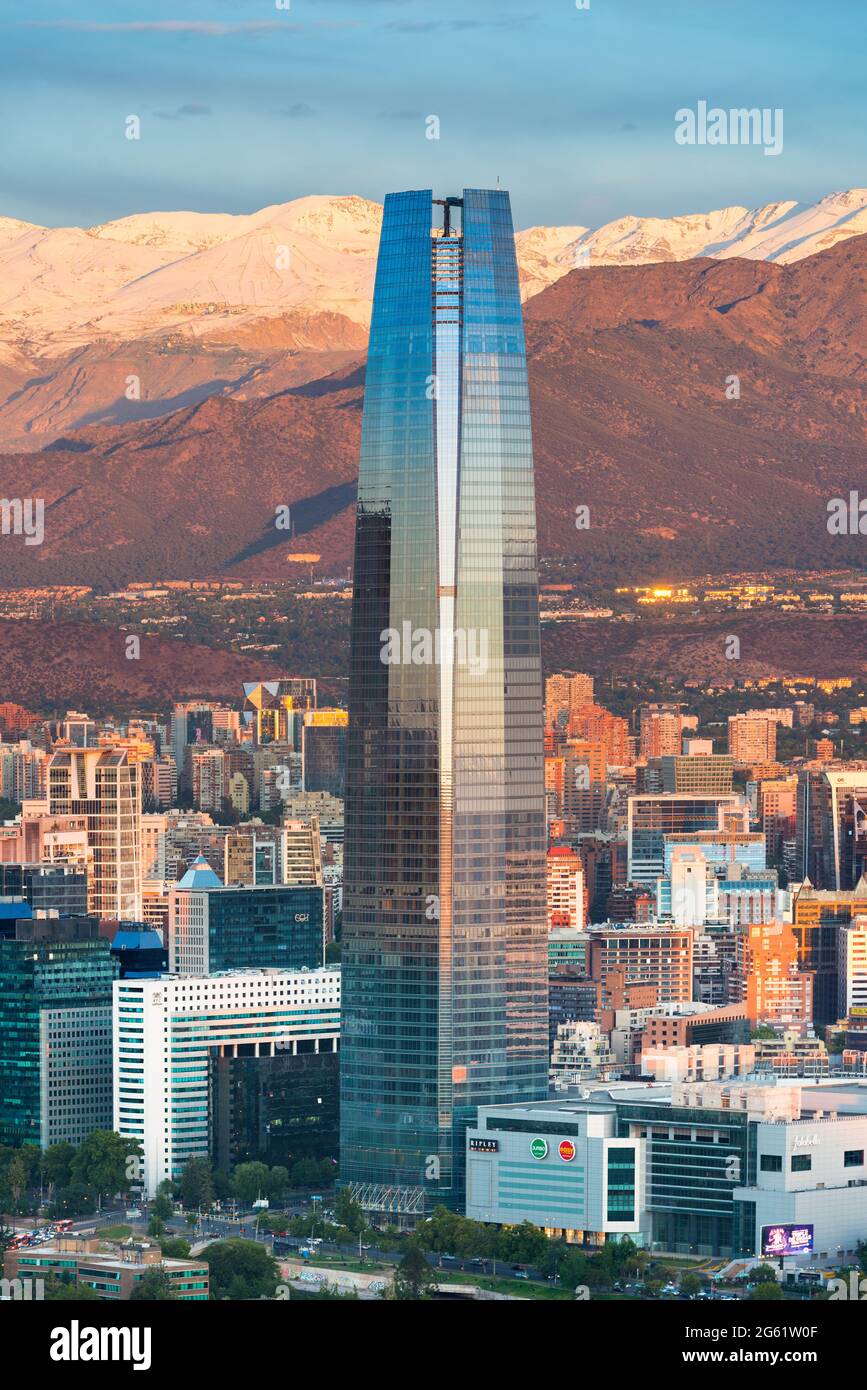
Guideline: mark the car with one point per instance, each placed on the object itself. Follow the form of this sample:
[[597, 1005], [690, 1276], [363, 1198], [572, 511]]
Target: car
[[521, 1274]]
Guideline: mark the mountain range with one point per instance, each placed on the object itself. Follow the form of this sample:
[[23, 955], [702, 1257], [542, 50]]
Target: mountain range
[[704, 410], [134, 319]]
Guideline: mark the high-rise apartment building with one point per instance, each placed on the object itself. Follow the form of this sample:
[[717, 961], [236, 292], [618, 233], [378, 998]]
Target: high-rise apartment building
[[566, 692], [302, 852], [252, 854], [656, 956], [444, 930], [567, 904], [660, 730], [599, 725], [102, 785], [753, 738]]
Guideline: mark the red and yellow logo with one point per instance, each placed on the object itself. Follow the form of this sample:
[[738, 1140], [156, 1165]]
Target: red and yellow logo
[[567, 1150]]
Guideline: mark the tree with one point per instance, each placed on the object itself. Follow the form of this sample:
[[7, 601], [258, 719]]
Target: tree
[[413, 1277], [102, 1162], [162, 1208], [250, 1181], [197, 1183], [278, 1182], [74, 1200], [305, 1173], [766, 1292], [762, 1274], [691, 1284], [59, 1291], [175, 1247], [16, 1180], [155, 1286], [241, 1269], [156, 1226], [56, 1165], [348, 1211]]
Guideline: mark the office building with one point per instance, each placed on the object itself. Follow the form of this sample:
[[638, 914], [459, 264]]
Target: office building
[[702, 1168], [274, 1109], [852, 966], [139, 951], [49, 888], [274, 707], [323, 751], [651, 818], [444, 924], [85, 1262], [168, 1034], [699, 774], [817, 916], [213, 926], [56, 976]]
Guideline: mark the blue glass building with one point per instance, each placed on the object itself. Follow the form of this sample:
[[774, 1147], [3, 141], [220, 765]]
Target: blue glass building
[[444, 932]]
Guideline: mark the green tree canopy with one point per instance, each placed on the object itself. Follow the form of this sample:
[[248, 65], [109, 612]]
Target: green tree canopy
[[250, 1182], [102, 1162], [241, 1269], [155, 1286], [413, 1277], [197, 1183]]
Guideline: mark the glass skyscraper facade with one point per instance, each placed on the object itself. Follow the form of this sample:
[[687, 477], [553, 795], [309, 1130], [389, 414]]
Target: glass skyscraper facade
[[444, 929]]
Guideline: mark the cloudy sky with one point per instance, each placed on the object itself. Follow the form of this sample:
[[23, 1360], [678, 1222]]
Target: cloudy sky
[[243, 103]]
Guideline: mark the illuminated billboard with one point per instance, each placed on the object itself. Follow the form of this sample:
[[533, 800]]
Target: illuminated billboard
[[787, 1240]]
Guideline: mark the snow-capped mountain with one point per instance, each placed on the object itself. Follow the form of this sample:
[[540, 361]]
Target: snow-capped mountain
[[195, 304], [203, 272]]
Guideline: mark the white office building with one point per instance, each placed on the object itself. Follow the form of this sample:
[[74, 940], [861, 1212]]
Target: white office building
[[167, 1031]]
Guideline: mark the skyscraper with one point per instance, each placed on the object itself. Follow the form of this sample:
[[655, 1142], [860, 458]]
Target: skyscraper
[[444, 933], [103, 786]]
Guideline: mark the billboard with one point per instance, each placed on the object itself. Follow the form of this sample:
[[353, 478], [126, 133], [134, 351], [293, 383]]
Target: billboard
[[787, 1240]]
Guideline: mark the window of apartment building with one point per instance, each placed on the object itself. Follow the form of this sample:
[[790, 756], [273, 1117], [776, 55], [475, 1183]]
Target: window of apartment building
[[853, 1158], [771, 1163], [802, 1163]]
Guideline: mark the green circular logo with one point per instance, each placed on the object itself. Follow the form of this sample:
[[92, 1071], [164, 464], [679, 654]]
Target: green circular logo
[[539, 1148]]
